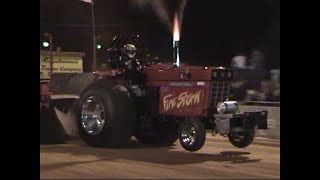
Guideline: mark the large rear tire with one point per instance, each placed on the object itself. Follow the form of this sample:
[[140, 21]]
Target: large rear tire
[[192, 134], [106, 116]]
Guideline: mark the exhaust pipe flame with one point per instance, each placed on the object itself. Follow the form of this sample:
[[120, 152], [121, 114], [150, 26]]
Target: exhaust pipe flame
[[176, 28]]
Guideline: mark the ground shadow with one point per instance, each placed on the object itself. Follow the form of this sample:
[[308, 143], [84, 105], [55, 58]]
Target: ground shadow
[[47, 167], [148, 153]]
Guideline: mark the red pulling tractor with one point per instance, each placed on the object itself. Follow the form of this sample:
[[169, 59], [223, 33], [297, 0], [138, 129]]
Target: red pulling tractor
[[156, 103]]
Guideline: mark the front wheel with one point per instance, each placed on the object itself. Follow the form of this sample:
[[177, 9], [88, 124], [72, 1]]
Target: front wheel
[[192, 134], [242, 139]]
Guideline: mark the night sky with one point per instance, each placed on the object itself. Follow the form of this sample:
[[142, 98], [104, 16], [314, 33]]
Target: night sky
[[212, 30]]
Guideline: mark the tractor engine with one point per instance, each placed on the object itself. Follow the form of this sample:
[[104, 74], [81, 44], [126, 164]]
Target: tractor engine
[[189, 90]]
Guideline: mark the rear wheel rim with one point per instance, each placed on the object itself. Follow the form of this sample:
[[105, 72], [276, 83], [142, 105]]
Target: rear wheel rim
[[93, 115], [188, 135]]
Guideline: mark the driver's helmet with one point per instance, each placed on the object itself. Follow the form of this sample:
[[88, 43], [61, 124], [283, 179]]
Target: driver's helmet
[[130, 50]]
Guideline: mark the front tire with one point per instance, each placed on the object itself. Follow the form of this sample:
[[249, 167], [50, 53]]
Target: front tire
[[242, 139], [106, 116], [192, 134]]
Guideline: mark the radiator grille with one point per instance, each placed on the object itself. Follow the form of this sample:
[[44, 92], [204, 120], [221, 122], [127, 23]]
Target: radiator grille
[[219, 92]]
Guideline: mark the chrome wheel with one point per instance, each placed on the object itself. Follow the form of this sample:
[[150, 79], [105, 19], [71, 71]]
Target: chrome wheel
[[93, 115], [188, 135]]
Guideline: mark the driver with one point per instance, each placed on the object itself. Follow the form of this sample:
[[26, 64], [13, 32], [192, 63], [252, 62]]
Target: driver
[[133, 67], [130, 51]]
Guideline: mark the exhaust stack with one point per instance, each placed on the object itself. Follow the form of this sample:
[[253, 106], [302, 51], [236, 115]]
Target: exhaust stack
[[176, 39], [176, 53]]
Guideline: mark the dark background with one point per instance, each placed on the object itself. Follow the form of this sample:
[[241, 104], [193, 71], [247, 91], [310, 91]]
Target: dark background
[[212, 31]]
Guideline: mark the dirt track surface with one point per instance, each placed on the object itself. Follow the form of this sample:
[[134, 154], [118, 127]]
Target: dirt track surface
[[218, 159]]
